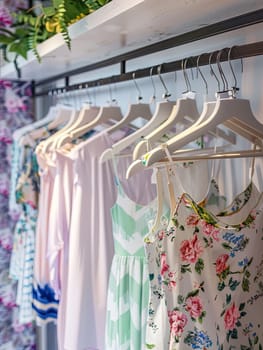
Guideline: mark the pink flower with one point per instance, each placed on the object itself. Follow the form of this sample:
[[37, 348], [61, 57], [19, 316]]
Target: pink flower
[[177, 321], [210, 230], [192, 220], [231, 316], [221, 265], [171, 284], [194, 306], [161, 235], [164, 266], [18, 328], [5, 17], [191, 249], [5, 83]]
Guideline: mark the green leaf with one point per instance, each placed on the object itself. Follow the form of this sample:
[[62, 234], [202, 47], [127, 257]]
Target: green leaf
[[199, 266], [185, 268], [234, 334], [21, 32], [229, 333], [20, 48], [150, 346], [245, 285], [228, 298], [256, 340], [238, 323], [6, 39], [193, 293], [49, 11], [226, 246], [233, 284], [175, 222], [221, 285], [56, 3], [242, 306], [247, 274], [180, 299]]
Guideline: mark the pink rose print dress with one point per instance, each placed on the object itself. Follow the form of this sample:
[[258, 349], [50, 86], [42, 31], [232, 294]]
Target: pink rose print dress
[[206, 271]]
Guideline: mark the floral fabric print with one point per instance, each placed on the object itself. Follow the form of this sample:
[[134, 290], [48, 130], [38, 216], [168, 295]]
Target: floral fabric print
[[207, 273], [15, 112]]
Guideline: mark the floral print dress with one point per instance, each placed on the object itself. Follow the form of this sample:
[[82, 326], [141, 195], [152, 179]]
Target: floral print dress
[[207, 273], [15, 112]]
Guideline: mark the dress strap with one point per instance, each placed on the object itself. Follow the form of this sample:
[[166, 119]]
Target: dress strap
[[173, 201], [116, 173], [253, 164], [159, 212]]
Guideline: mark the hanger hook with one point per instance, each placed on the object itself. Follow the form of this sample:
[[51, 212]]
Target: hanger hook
[[198, 70], [137, 87], [153, 84], [186, 79], [212, 72], [88, 94], [221, 72], [166, 92], [235, 88], [112, 100]]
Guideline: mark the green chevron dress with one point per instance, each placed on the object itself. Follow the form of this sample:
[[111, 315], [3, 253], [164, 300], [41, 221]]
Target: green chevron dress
[[128, 292]]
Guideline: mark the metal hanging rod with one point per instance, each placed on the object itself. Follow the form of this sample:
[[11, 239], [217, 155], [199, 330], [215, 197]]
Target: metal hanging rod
[[221, 27], [237, 52]]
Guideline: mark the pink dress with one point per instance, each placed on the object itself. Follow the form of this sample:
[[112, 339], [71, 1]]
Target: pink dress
[[45, 302], [90, 246], [58, 236]]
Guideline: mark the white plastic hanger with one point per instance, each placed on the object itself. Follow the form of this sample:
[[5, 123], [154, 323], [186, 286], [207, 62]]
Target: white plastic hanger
[[50, 142], [238, 111], [89, 118], [185, 111], [162, 111], [233, 112], [104, 115], [135, 111], [37, 124], [61, 116]]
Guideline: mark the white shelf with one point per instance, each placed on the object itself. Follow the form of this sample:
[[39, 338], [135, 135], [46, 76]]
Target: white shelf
[[121, 26]]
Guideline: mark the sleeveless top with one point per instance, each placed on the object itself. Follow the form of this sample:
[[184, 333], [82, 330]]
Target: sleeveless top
[[157, 323], [207, 273], [128, 290]]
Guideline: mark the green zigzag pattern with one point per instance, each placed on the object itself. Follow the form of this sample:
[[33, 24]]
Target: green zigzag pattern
[[128, 293]]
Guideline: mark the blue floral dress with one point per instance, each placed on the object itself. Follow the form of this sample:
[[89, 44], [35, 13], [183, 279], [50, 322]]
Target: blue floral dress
[[206, 272]]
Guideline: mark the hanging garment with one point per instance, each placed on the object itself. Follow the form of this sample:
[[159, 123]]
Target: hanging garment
[[15, 107], [209, 276], [132, 214], [179, 176], [45, 302], [90, 246], [58, 238]]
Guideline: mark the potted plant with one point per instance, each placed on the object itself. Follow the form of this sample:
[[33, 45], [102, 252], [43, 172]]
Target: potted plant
[[25, 29]]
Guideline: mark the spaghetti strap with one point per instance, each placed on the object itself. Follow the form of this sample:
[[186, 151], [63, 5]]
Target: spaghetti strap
[[173, 201], [253, 165]]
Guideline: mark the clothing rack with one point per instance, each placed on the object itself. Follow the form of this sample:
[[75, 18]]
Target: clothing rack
[[237, 52], [217, 28]]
